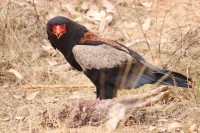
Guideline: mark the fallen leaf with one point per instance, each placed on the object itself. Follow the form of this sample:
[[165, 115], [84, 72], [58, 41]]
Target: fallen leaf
[[70, 8], [152, 128], [173, 126], [102, 25], [52, 62], [5, 86], [47, 47], [19, 118], [94, 13], [162, 130], [85, 5], [6, 119], [79, 19], [16, 73], [109, 18], [109, 6], [147, 4], [32, 95], [147, 23], [102, 13], [194, 127], [63, 67], [17, 96]]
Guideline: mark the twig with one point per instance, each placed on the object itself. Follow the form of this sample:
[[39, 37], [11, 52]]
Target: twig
[[19, 13], [6, 27], [124, 27], [56, 86], [36, 12], [159, 43], [179, 46], [140, 24], [181, 33], [184, 41], [197, 17]]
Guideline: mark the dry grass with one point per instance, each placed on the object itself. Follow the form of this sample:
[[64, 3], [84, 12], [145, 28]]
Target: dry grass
[[174, 44]]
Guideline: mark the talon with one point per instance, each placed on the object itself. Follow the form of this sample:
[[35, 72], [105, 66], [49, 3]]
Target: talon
[[90, 104]]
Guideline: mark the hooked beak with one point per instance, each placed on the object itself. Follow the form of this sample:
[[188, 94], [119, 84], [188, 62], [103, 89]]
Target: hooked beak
[[58, 30], [58, 34]]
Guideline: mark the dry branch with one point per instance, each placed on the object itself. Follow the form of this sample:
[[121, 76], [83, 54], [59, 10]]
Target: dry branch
[[56, 86]]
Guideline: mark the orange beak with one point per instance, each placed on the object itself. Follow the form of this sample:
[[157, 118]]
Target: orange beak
[[59, 30], [58, 34]]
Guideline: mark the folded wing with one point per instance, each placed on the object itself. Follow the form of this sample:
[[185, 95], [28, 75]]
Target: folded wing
[[100, 56]]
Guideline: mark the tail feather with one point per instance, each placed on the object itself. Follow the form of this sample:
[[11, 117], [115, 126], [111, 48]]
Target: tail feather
[[152, 75], [177, 79]]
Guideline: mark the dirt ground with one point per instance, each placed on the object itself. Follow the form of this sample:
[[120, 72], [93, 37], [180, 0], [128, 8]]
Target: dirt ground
[[34, 77]]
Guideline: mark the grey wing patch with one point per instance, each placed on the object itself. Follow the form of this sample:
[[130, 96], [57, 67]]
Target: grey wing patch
[[101, 56]]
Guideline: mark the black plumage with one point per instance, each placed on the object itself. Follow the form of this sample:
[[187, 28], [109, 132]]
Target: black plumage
[[108, 64]]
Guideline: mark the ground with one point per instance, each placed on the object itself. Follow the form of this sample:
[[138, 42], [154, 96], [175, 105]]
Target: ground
[[164, 32]]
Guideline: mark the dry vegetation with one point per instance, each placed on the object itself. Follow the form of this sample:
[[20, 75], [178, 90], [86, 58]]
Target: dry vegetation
[[165, 32]]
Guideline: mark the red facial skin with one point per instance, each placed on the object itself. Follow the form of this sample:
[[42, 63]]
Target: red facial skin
[[58, 30]]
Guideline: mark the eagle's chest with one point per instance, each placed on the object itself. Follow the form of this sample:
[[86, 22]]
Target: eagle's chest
[[65, 47]]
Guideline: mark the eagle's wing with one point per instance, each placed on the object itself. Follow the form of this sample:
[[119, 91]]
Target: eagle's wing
[[100, 56]]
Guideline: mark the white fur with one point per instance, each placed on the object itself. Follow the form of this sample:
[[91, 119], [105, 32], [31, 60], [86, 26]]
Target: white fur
[[115, 115]]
